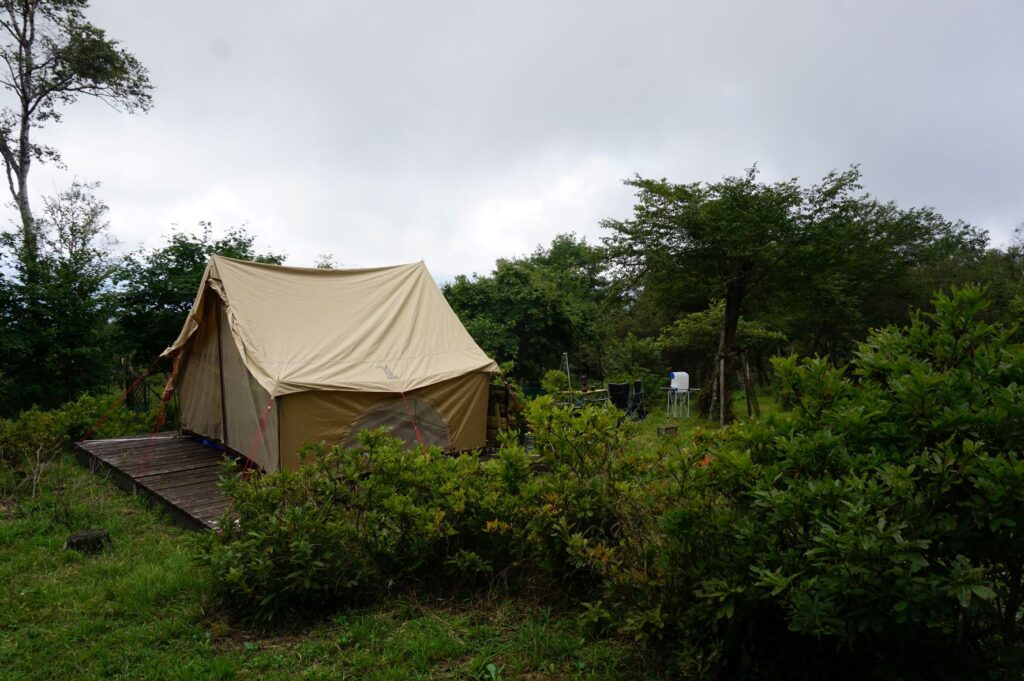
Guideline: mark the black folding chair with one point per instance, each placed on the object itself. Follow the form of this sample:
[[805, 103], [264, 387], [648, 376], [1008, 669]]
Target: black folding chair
[[637, 408], [618, 393]]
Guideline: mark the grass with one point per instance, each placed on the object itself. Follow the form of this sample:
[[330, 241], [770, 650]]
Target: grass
[[657, 418], [142, 609]]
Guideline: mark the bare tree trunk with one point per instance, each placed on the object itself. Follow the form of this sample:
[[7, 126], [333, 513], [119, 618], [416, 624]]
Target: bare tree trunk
[[723, 370], [30, 239], [18, 160], [753, 408]]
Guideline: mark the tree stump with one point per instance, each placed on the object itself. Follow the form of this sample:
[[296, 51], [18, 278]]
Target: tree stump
[[88, 541]]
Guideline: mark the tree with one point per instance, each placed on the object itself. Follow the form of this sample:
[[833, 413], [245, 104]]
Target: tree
[[692, 341], [867, 271], [51, 57], [55, 326], [325, 261], [531, 310], [513, 316], [727, 238], [822, 263], [159, 286]]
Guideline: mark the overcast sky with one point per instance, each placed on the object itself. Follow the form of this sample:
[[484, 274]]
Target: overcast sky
[[460, 132]]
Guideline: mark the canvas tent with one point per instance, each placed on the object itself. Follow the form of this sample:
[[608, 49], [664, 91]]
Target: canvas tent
[[273, 357]]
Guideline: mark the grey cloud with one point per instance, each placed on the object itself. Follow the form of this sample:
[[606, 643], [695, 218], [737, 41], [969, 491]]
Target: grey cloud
[[461, 131]]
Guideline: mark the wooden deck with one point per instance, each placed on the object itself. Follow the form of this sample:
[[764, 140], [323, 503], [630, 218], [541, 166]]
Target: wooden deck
[[170, 470]]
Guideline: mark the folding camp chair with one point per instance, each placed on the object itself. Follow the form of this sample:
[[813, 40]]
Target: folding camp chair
[[618, 393], [637, 408]]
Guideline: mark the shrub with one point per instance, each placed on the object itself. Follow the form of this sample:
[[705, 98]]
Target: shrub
[[353, 521], [568, 507], [874, 528], [350, 523], [30, 442], [554, 382], [629, 359]]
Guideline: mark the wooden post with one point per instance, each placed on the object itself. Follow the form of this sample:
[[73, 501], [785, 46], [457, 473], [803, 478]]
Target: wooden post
[[721, 391], [753, 408], [741, 375]]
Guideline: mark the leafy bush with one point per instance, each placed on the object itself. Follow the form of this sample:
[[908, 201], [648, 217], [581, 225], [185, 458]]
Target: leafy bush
[[630, 358], [353, 521], [566, 507], [28, 445], [554, 381], [30, 442], [872, 530], [348, 524]]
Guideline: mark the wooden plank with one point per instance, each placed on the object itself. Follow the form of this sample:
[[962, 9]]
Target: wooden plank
[[198, 492], [211, 518], [160, 480], [143, 437], [129, 460], [100, 445], [136, 445], [187, 496], [209, 505], [179, 463], [126, 483], [147, 468], [140, 464], [211, 509], [144, 449], [214, 515], [210, 512], [180, 460], [148, 474], [203, 504], [161, 484], [207, 510]]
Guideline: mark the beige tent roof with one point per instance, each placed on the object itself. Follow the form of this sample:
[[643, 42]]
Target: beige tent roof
[[386, 329]]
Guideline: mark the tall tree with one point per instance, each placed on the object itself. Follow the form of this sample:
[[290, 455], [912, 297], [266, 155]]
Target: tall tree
[[822, 262], [727, 238], [868, 270], [52, 56], [65, 347]]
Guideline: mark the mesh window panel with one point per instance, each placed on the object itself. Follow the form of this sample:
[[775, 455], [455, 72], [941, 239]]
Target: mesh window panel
[[395, 415]]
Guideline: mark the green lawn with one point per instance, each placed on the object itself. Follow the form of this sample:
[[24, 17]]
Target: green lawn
[[142, 609]]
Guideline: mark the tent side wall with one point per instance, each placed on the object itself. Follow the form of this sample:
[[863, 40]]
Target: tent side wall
[[337, 416], [245, 404], [215, 388], [198, 385]]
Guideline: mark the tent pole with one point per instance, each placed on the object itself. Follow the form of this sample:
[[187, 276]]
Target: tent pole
[[220, 372]]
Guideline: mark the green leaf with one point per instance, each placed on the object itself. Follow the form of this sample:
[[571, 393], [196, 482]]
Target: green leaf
[[983, 592]]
